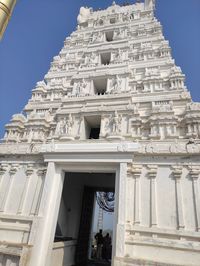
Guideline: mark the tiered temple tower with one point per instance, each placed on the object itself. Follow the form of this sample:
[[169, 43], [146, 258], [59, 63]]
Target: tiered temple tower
[[113, 98]]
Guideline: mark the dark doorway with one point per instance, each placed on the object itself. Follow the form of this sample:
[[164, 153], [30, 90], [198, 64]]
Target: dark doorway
[[76, 215], [94, 133], [109, 36], [82, 256], [92, 126]]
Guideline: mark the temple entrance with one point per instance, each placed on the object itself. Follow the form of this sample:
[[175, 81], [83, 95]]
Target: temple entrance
[[77, 218]]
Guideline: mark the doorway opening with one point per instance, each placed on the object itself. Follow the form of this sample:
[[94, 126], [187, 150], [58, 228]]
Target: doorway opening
[[85, 197], [105, 58], [100, 86], [94, 132], [109, 36], [112, 21], [92, 126]]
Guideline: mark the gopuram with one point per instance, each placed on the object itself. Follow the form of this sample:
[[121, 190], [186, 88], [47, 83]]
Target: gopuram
[[112, 114]]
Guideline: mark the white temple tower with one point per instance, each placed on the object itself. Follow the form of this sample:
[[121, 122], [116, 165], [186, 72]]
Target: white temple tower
[[112, 112]]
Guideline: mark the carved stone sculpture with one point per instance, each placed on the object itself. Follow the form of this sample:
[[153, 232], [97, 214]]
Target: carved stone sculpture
[[115, 123], [83, 15], [115, 85]]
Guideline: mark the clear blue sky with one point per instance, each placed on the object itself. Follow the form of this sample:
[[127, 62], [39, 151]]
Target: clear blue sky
[[38, 28]]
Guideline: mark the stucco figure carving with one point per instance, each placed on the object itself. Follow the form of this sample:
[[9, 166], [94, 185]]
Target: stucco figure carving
[[115, 123], [83, 15], [64, 126], [115, 85]]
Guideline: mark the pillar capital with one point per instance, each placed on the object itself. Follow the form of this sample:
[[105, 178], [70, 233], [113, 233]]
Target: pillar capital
[[13, 169], [194, 171], [177, 171], [29, 170], [152, 170], [3, 168], [41, 172], [135, 170]]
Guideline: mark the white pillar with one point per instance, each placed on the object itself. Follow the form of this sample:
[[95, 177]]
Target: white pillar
[[137, 201], [8, 187], [120, 212], [152, 173], [136, 172], [48, 211], [37, 192], [3, 169], [194, 173], [129, 199], [28, 172], [177, 173]]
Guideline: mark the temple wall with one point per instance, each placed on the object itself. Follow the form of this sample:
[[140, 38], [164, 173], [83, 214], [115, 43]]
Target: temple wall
[[162, 209], [21, 187], [63, 253], [21, 181], [163, 217], [167, 194]]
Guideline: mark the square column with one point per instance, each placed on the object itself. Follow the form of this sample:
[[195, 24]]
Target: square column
[[120, 213], [48, 213]]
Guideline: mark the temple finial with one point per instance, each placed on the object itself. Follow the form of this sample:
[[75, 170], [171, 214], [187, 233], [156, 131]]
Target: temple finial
[[150, 4]]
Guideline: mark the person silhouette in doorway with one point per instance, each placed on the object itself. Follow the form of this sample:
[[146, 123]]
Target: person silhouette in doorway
[[107, 247], [99, 240]]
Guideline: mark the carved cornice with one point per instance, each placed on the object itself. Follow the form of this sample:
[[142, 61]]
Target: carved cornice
[[176, 148], [19, 148]]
